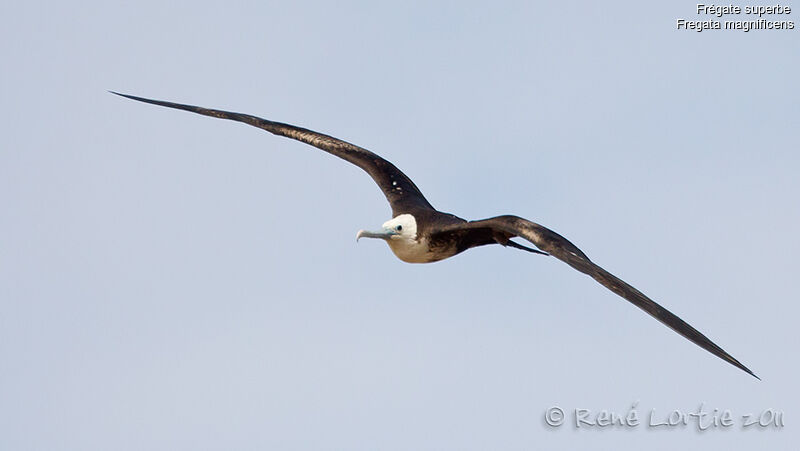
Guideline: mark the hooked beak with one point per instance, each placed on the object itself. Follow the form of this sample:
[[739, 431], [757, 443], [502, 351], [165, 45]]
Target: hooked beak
[[384, 235]]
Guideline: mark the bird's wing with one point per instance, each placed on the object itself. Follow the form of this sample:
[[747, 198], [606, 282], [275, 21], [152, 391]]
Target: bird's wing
[[559, 247], [402, 194]]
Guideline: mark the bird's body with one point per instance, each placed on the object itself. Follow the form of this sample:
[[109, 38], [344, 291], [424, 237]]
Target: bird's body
[[418, 233], [414, 244], [410, 244]]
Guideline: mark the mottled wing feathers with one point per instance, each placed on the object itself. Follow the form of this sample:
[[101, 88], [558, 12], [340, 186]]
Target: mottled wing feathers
[[559, 247], [402, 194]]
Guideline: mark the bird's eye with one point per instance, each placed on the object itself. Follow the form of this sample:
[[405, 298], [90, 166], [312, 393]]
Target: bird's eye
[[399, 228]]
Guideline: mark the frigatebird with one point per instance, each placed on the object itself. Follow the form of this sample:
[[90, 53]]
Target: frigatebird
[[418, 233]]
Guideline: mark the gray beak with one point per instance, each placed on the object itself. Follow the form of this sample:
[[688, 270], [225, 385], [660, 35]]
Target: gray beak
[[384, 235]]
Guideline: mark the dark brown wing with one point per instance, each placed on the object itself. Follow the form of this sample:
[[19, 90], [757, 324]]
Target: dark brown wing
[[402, 194], [559, 247]]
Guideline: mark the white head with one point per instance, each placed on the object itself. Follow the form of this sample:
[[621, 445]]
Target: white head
[[400, 233], [400, 228]]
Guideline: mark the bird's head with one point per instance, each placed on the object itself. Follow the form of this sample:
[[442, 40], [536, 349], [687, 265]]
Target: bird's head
[[399, 228]]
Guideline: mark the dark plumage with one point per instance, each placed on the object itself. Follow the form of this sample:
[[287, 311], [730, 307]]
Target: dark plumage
[[418, 233]]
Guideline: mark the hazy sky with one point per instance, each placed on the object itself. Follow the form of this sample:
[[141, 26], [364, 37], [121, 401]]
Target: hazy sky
[[170, 281]]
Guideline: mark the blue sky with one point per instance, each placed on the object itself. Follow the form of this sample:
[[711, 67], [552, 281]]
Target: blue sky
[[169, 281]]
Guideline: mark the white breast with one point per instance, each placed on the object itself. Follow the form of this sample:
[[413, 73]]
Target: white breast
[[412, 251], [405, 244]]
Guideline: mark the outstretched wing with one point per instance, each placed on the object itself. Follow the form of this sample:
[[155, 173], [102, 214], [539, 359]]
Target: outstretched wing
[[559, 247], [402, 194]]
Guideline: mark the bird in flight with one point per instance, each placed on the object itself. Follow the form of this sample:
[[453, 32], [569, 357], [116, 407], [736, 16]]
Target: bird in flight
[[418, 233]]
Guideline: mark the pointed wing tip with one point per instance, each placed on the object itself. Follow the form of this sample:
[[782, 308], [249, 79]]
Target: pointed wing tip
[[739, 365], [124, 95], [747, 370]]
